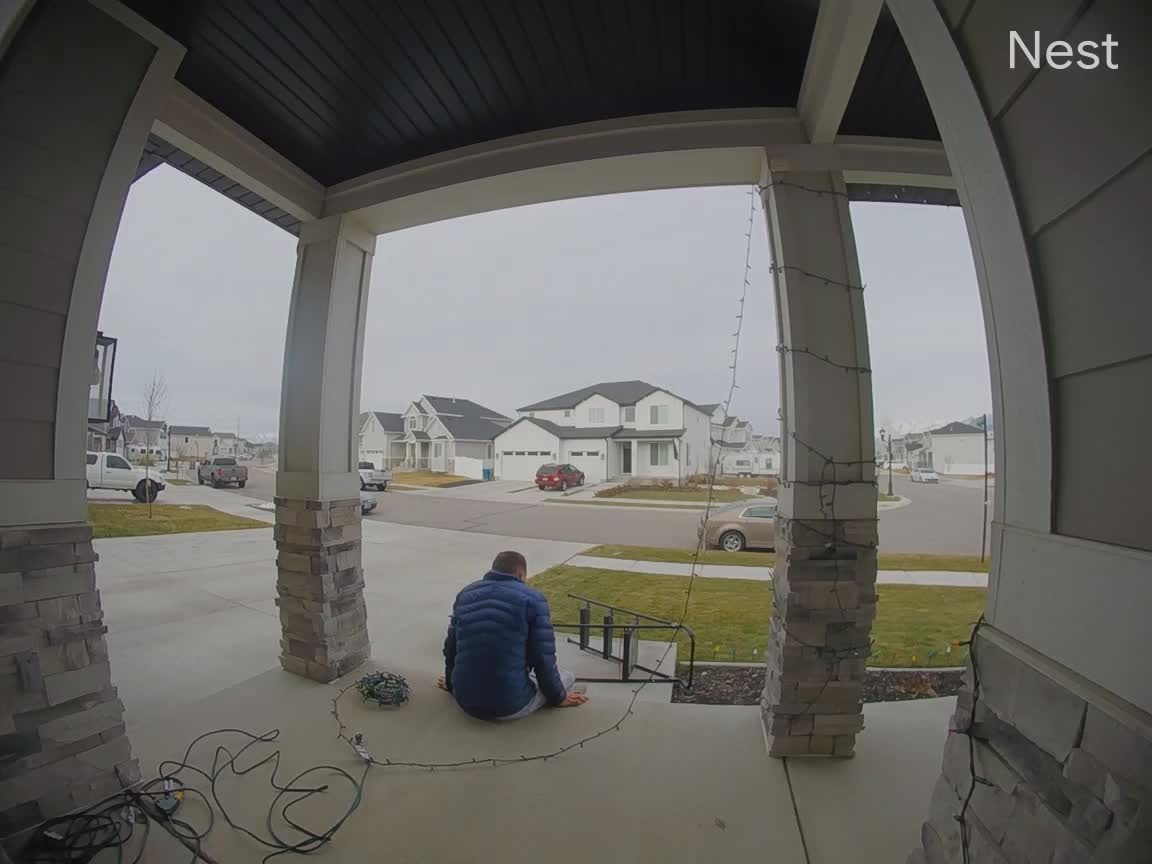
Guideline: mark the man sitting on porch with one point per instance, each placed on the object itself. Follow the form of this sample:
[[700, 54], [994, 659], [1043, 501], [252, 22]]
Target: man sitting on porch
[[500, 630]]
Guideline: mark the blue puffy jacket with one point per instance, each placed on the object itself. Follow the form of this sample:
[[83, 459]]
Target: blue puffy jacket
[[500, 629]]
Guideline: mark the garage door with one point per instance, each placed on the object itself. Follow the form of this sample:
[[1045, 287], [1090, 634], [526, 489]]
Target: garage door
[[590, 461], [520, 464]]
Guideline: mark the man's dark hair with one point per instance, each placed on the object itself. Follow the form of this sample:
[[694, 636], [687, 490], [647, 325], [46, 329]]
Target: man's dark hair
[[509, 562]]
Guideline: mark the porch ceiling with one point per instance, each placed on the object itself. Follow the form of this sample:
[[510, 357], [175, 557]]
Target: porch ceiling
[[348, 86]]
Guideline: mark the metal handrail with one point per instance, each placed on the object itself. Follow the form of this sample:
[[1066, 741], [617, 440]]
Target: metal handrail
[[627, 661]]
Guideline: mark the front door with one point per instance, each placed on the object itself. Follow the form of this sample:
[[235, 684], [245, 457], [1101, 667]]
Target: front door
[[626, 458]]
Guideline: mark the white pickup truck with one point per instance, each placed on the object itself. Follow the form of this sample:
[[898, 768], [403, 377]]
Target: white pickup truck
[[112, 471], [371, 476]]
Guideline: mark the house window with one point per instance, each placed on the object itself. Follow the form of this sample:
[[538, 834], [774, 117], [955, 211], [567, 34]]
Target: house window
[[658, 454], [576, 453], [531, 413], [687, 453], [658, 415], [567, 413], [506, 452], [591, 453], [630, 414], [596, 415], [521, 453]]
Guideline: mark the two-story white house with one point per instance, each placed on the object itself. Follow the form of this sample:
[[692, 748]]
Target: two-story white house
[[615, 430], [450, 435], [191, 444], [382, 439], [144, 439]]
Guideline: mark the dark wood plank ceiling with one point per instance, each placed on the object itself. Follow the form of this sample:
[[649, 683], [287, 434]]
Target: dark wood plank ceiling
[[888, 100], [344, 87]]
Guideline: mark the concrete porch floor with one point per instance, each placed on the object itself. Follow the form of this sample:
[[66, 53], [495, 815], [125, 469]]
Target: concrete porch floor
[[193, 639]]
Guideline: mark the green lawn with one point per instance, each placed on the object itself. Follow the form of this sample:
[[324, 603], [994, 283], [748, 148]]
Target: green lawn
[[731, 616], [888, 560], [426, 478], [657, 493], [624, 502], [884, 497], [178, 481], [132, 520]]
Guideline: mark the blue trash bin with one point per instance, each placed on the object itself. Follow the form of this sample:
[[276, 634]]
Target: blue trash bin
[[487, 473]]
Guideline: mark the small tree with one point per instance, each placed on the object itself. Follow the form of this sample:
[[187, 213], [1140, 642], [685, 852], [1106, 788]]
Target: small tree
[[155, 402]]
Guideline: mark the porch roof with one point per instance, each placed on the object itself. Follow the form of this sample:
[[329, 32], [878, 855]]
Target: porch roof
[[641, 434], [569, 432]]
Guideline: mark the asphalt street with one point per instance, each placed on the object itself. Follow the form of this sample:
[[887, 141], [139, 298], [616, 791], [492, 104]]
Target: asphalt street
[[943, 518]]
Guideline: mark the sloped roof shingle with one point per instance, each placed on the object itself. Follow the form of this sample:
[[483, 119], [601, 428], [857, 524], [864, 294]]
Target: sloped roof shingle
[[958, 429], [461, 407]]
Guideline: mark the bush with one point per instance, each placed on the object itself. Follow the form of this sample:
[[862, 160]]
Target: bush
[[612, 491]]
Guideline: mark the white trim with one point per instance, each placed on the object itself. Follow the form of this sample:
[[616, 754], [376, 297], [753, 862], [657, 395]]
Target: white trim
[[626, 136], [188, 122], [835, 55], [894, 162], [1016, 350], [1082, 603], [662, 151], [96, 253]]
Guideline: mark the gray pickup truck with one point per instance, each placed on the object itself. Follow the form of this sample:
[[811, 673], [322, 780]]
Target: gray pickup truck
[[222, 470]]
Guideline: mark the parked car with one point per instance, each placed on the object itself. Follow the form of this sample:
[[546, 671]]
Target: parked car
[[112, 471], [924, 475], [367, 503], [747, 525], [554, 476], [222, 470], [370, 477]]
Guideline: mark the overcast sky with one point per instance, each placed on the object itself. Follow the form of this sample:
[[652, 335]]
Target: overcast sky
[[512, 307]]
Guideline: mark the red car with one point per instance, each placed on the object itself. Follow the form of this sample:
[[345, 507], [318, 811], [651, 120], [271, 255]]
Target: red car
[[553, 476]]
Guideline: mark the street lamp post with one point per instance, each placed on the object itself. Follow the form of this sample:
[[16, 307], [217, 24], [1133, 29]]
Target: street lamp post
[[884, 436]]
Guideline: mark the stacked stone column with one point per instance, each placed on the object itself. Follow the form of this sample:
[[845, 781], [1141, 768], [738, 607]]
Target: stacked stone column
[[1063, 768], [62, 741], [824, 583], [320, 587], [824, 602]]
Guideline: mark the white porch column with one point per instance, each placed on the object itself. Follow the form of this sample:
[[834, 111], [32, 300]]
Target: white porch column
[[320, 582], [79, 86], [824, 596]]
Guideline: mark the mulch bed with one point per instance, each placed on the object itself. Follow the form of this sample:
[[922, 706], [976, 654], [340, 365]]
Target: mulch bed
[[742, 685]]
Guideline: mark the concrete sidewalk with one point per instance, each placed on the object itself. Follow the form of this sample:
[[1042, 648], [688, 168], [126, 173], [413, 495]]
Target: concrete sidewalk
[[764, 574]]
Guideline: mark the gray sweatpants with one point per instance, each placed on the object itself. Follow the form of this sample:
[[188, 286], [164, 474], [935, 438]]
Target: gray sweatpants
[[539, 700]]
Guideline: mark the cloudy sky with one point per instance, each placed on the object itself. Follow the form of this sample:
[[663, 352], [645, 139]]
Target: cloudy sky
[[511, 307]]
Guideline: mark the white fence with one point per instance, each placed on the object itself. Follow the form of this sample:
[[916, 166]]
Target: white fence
[[467, 466]]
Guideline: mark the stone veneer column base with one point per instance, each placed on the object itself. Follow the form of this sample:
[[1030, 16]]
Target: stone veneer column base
[[823, 605], [320, 585], [62, 742], [1064, 777]]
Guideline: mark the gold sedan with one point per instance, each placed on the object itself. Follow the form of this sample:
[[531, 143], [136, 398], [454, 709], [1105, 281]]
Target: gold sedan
[[747, 525]]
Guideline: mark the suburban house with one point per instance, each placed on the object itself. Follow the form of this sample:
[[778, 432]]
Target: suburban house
[[144, 438], [195, 443], [106, 436], [610, 431], [382, 438], [758, 455], [450, 435], [740, 449], [190, 443], [958, 448]]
